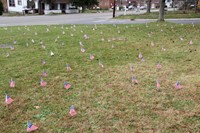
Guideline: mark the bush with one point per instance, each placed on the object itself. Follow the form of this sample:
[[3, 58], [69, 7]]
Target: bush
[[1, 8]]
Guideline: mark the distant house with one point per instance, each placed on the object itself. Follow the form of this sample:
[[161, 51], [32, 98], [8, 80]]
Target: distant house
[[16, 5], [57, 6], [20, 5]]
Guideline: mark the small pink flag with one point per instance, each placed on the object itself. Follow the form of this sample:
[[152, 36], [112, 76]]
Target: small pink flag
[[43, 83], [86, 36], [43, 46], [12, 48], [159, 66], [143, 60], [12, 83], [67, 85], [131, 68], [91, 57], [81, 44], [134, 80], [191, 42], [44, 74], [140, 55], [31, 127], [178, 85], [101, 65], [68, 67], [72, 111], [43, 62], [157, 84], [8, 100], [82, 50]]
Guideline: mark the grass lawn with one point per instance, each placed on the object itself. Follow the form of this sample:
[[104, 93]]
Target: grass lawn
[[168, 14], [106, 99]]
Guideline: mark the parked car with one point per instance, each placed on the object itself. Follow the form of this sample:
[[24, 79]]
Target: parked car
[[143, 7], [131, 7]]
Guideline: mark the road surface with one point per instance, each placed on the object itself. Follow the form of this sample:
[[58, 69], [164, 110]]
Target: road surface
[[86, 18]]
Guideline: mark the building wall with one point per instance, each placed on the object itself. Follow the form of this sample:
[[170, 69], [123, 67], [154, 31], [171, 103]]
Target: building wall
[[105, 4]]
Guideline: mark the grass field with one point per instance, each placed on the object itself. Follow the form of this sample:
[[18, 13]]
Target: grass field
[[168, 14], [106, 99]]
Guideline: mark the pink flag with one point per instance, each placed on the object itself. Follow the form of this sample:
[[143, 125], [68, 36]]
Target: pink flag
[[191, 42], [68, 67], [67, 85], [159, 66], [43, 46], [12, 47], [157, 84], [43, 62], [15, 42], [101, 65], [91, 57], [86, 36], [81, 44], [44, 74], [134, 80], [82, 50], [31, 127], [72, 111], [43, 83], [142, 59], [12, 83], [8, 100], [140, 55], [178, 85], [131, 68]]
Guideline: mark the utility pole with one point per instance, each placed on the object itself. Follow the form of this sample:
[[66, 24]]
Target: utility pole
[[114, 9]]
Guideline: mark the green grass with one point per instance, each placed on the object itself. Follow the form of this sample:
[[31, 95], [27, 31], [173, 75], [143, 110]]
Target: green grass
[[105, 98], [168, 14]]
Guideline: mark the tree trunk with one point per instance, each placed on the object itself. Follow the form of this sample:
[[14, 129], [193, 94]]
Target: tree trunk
[[83, 8], [162, 10], [114, 7], [196, 6], [148, 6], [39, 7]]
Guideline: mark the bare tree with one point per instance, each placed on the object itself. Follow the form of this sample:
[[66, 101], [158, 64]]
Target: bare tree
[[162, 10], [196, 6]]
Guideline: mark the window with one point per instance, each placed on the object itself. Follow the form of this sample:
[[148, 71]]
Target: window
[[12, 3], [54, 7], [19, 2]]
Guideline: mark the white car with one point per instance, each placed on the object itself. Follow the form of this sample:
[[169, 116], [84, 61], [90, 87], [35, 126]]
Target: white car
[[143, 7], [131, 7]]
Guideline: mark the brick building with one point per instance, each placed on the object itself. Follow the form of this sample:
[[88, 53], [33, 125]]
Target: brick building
[[105, 4]]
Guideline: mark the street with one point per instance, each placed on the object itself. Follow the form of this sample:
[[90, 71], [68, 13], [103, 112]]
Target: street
[[85, 18]]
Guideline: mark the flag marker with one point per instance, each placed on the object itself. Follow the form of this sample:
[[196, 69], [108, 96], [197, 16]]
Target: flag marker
[[12, 83], [42, 83], [8, 100], [31, 127], [134, 80], [178, 85], [72, 111], [67, 85], [157, 84]]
